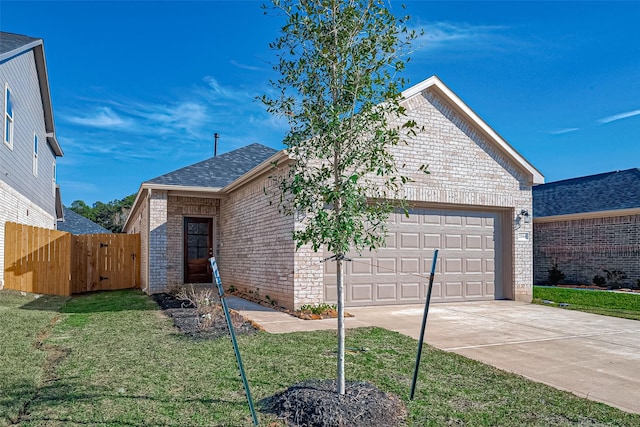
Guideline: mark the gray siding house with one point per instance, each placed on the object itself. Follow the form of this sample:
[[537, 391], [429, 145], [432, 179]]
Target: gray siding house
[[29, 148], [588, 224], [471, 207]]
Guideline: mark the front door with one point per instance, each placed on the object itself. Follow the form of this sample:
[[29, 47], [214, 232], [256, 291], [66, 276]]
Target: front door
[[198, 248]]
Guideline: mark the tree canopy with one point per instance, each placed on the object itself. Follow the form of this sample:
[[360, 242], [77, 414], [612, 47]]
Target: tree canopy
[[110, 215]]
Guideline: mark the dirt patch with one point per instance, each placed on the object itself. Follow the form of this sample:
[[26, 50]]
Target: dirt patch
[[186, 320], [315, 403]]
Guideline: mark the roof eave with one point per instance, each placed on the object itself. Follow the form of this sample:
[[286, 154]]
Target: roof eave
[[45, 93], [535, 176]]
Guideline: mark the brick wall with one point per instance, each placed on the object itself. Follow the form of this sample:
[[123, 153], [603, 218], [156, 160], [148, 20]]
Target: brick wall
[[179, 207], [15, 207], [257, 250], [583, 247], [157, 242], [466, 170]]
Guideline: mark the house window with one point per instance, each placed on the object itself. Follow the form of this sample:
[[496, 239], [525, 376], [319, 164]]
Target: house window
[[54, 178], [35, 154], [8, 117]]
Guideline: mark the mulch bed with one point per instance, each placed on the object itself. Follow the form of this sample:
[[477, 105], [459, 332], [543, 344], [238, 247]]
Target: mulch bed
[[315, 403], [185, 319]]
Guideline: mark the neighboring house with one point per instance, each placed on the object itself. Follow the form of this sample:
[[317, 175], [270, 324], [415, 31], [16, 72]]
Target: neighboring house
[[471, 207], [75, 223], [29, 148], [588, 224]]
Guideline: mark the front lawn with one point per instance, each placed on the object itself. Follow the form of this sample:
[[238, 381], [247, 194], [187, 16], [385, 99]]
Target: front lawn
[[614, 304], [114, 359]]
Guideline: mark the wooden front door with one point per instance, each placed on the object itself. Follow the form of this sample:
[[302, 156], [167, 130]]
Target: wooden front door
[[198, 248]]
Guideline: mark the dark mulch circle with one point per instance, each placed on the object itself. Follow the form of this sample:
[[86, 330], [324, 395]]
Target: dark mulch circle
[[185, 319], [315, 403]]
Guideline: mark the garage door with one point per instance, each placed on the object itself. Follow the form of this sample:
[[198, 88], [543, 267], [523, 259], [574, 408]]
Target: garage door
[[399, 273]]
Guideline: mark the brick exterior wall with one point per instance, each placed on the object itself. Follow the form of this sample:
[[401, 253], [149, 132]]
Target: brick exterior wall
[[468, 171], [178, 208], [583, 247], [257, 250], [158, 257], [19, 209]]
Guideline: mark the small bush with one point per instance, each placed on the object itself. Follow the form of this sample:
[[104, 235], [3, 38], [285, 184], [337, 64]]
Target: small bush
[[615, 278], [205, 302], [599, 280], [555, 275]]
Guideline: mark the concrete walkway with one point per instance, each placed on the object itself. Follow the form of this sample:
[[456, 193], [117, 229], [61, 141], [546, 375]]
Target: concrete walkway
[[593, 356]]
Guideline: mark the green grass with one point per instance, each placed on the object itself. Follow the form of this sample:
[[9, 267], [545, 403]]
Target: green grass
[[614, 304], [123, 364]]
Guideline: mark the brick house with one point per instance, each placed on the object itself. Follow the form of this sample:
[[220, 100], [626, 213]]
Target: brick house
[[472, 207], [29, 149], [586, 224]]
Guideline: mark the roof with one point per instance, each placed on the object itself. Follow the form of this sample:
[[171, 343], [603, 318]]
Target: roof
[[434, 83], [10, 42], [15, 44], [595, 193], [219, 171], [77, 224]]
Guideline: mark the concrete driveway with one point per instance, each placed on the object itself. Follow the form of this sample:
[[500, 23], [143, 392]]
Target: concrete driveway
[[592, 356]]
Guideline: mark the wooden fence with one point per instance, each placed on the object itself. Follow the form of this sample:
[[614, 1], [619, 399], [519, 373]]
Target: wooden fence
[[46, 261]]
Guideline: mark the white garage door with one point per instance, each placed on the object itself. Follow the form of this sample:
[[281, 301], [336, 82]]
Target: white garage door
[[399, 273]]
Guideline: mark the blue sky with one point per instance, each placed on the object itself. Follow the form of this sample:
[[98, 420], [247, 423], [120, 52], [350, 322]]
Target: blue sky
[[139, 88]]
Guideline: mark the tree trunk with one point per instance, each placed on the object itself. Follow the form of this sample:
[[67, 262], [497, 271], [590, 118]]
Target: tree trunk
[[340, 291]]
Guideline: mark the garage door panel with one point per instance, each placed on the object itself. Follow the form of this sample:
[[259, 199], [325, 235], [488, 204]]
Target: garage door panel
[[453, 290], [473, 221], [361, 266], [409, 241], [409, 265], [398, 273], [386, 292], [473, 242], [386, 266], [473, 266], [474, 289], [432, 241], [361, 292], [436, 290], [452, 266], [452, 241], [409, 291]]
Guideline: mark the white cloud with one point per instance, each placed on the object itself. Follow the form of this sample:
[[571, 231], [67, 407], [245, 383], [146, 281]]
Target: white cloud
[[244, 66], [103, 117], [563, 131], [620, 116], [441, 35]]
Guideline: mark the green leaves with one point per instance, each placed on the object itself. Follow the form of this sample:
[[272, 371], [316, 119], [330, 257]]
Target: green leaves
[[338, 86]]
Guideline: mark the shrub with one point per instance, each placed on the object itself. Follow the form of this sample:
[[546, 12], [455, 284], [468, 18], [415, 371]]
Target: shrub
[[599, 280], [615, 278], [555, 275]]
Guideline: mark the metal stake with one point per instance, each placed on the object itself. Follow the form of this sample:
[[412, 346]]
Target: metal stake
[[216, 274], [424, 325]]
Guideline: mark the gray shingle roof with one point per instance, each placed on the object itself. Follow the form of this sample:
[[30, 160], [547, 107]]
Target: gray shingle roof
[[77, 224], [594, 193], [10, 41], [217, 172]]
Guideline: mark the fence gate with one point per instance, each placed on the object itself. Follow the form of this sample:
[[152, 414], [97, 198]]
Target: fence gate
[[47, 261], [101, 262]]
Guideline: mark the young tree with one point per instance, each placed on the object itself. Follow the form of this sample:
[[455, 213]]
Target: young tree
[[339, 88]]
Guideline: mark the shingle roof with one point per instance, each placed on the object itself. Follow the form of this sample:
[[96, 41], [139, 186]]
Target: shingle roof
[[77, 224], [594, 193], [10, 41], [217, 172]]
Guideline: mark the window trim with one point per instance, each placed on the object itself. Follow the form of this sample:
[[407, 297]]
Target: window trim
[[8, 118], [35, 154]]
